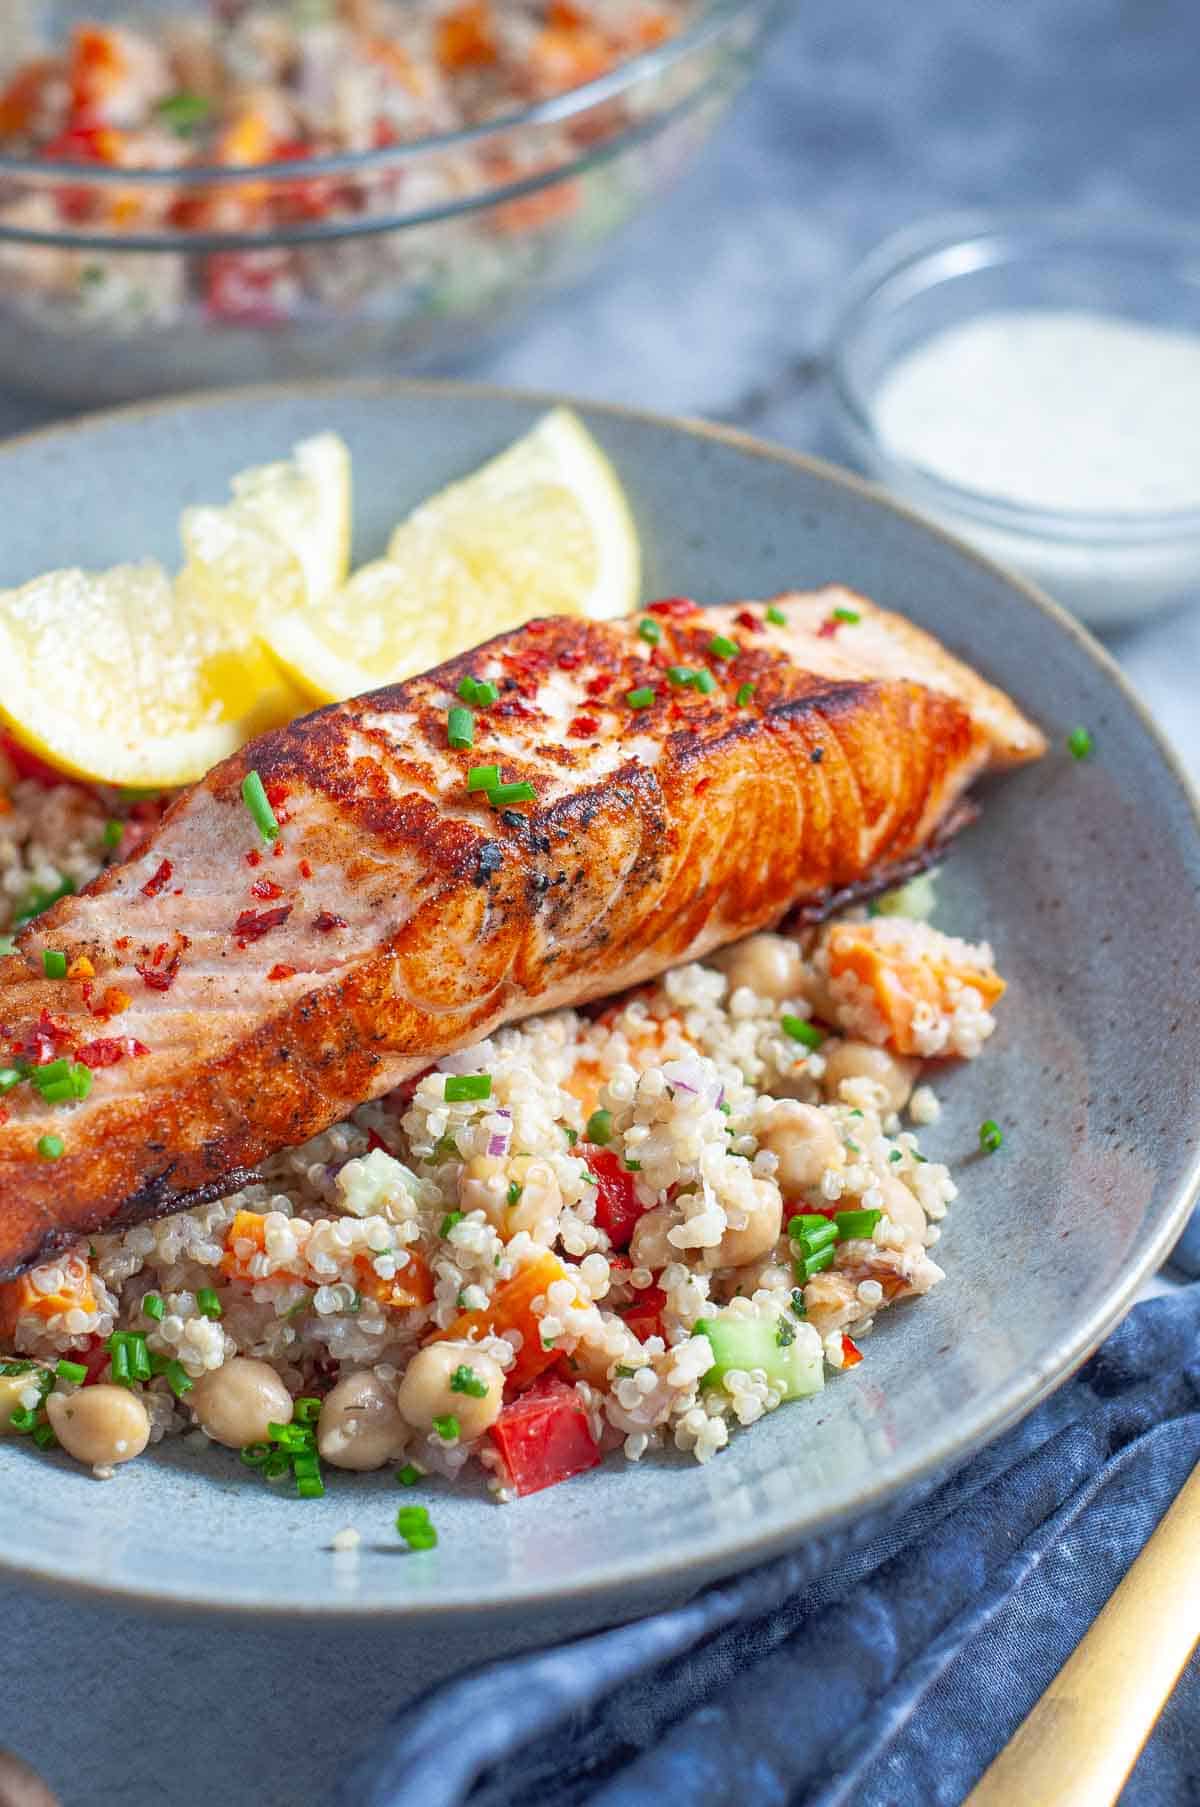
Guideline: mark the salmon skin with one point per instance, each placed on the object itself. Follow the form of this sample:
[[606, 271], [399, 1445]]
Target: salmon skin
[[233, 998]]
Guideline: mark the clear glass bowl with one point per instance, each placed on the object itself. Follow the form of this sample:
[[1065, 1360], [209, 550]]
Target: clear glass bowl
[[1108, 567], [391, 260]]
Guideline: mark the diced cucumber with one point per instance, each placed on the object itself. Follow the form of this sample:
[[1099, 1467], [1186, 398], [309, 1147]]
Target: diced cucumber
[[788, 1353]]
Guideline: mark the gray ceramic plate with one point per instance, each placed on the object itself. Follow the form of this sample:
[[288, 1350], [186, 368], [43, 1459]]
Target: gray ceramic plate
[[1084, 875]]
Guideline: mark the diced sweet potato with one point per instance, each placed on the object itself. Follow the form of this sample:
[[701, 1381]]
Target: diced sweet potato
[[905, 970]]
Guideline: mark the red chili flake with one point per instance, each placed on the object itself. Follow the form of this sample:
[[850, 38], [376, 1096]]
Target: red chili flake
[[828, 628], [702, 784], [277, 796], [254, 857], [750, 622], [121, 943], [159, 954], [305, 869], [326, 920], [109, 1049], [252, 925], [45, 1041], [567, 661], [277, 851], [158, 977], [282, 972], [3, 1114], [266, 888], [672, 605], [582, 726], [599, 685], [154, 885]]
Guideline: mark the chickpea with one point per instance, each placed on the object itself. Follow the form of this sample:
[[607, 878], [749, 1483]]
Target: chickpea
[[237, 1401], [902, 1205], [894, 1075], [11, 1388], [359, 1426], [805, 1141], [648, 1246], [540, 1204], [757, 1236], [100, 1425], [426, 1391], [769, 965]]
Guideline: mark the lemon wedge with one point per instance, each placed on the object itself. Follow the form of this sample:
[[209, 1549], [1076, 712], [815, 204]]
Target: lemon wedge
[[282, 543], [544, 528], [118, 678]]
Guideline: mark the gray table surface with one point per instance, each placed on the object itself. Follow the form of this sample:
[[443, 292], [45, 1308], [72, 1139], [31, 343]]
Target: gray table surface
[[869, 115]]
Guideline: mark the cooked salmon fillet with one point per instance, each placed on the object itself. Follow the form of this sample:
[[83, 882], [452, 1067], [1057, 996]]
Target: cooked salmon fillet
[[233, 998]]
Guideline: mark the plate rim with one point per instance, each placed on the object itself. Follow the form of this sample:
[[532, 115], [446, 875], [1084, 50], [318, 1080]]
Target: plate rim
[[1008, 1402]]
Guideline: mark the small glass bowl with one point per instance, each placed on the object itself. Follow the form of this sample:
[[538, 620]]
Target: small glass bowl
[[1107, 568], [115, 284]]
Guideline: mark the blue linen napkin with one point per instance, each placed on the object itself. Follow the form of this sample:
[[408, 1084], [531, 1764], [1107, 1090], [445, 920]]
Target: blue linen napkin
[[892, 1677]]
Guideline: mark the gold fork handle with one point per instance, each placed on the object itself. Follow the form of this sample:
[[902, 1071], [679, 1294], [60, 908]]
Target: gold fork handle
[[1081, 1740]]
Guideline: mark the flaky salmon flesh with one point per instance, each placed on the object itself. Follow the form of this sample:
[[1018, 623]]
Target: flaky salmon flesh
[[232, 998]]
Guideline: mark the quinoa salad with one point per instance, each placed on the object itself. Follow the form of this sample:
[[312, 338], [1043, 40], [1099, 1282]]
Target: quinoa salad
[[248, 83], [612, 1231]]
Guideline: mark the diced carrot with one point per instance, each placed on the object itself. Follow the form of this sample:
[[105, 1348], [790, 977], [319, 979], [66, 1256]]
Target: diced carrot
[[98, 66], [851, 1353], [566, 56], [903, 975], [465, 37], [413, 1284], [22, 1298], [22, 98], [248, 1226], [510, 1308]]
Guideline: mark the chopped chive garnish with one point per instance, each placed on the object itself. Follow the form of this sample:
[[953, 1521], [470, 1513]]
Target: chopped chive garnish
[[408, 1476], [52, 1070], [208, 1304], [704, 682], [23, 1420], [153, 1307], [449, 1221], [776, 616], [798, 1305], [1079, 743], [990, 1135], [74, 1372], [896, 1155], [801, 1031], [306, 1410], [310, 1487], [50, 1147], [465, 1380], [483, 777], [785, 1333], [650, 631], [255, 1454], [745, 692], [722, 647], [500, 794], [461, 1087], [113, 830], [633, 1166], [58, 1093], [814, 1240], [306, 1464], [255, 799], [679, 675], [43, 1436], [815, 1264], [447, 1427], [412, 1522], [857, 1223], [572, 1135], [460, 728], [9, 1077], [599, 1127], [640, 698], [178, 1379], [514, 1191], [54, 963], [848, 615], [184, 111], [485, 693]]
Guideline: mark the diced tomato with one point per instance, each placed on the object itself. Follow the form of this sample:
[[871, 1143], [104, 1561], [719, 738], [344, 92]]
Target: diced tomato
[[677, 606], [94, 1358], [239, 289], [544, 1436], [644, 1314], [851, 1353], [617, 1208]]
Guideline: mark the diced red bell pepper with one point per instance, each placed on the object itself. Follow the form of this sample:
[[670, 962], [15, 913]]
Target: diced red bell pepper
[[617, 1208], [644, 1314], [851, 1353], [544, 1437]]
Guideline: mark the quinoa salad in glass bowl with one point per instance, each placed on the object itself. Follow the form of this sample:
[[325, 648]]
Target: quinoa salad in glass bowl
[[216, 192], [612, 1231]]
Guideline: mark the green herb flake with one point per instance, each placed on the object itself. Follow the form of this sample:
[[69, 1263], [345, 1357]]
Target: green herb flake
[[776, 617], [254, 796], [642, 698], [408, 1476], [54, 963], [208, 1304], [850, 616], [447, 1427], [113, 832], [50, 1148], [513, 1193], [745, 692], [449, 1221], [463, 1088], [1080, 743], [465, 1380], [801, 1031], [650, 631], [722, 647], [991, 1135], [184, 112]]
